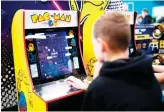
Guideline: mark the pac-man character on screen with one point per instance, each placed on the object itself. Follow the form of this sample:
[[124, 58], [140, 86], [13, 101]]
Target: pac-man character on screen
[[71, 33], [30, 47]]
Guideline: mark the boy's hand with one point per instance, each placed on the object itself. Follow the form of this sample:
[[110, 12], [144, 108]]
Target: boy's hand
[[158, 68], [97, 67], [77, 83]]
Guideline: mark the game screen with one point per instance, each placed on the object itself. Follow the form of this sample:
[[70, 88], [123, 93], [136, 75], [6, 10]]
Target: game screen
[[150, 39], [57, 54]]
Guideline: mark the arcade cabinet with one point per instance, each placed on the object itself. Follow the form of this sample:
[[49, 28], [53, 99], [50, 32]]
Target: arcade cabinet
[[150, 39], [46, 51]]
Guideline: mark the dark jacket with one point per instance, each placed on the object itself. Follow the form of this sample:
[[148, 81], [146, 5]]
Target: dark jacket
[[147, 20], [125, 84]]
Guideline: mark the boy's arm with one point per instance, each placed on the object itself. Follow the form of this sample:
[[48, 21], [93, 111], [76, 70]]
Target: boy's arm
[[92, 102], [87, 102], [158, 68], [160, 77], [94, 99], [159, 73]]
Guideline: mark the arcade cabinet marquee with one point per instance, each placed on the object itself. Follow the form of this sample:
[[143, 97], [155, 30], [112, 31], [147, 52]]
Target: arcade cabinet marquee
[[46, 51]]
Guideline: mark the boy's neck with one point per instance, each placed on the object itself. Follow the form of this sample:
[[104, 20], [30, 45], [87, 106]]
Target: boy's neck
[[116, 56]]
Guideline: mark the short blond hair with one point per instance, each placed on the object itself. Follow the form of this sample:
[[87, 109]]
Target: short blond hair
[[114, 28]]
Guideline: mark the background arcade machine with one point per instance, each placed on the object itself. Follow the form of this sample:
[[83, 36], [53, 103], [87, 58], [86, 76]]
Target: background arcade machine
[[46, 51], [150, 39]]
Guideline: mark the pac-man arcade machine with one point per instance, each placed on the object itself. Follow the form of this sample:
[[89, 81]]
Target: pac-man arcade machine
[[46, 51]]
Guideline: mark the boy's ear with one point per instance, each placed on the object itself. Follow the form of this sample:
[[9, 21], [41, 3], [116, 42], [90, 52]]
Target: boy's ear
[[102, 44], [73, 5]]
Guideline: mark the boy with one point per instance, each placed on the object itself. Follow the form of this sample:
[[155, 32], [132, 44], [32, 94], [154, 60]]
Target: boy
[[121, 83]]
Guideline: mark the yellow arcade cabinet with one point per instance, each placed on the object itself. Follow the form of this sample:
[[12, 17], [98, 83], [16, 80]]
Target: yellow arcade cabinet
[[46, 51]]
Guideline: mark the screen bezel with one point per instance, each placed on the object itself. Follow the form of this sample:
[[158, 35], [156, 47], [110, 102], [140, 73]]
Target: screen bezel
[[40, 80]]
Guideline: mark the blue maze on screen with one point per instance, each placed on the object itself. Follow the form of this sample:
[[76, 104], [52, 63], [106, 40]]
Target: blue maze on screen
[[51, 52]]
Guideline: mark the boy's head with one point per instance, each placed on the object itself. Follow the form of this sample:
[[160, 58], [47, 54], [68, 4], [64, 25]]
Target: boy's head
[[111, 35], [144, 12]]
